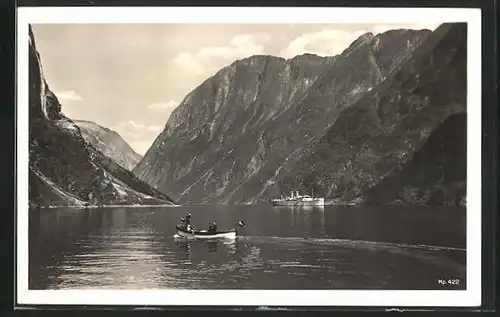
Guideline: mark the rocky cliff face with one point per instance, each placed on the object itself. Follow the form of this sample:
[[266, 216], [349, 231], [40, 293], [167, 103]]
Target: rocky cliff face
[[436, 174], [109, 143], [231, 139], [403, 142], [64, 168]]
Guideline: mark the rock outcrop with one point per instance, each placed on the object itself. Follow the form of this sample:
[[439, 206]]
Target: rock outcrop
[[109, 143], [233, 137], [64, 168]]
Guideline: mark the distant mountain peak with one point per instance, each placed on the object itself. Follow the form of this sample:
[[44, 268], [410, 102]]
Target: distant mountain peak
[[253, 60], [109, 142], [90, 124], [306, 56], [363, 38]]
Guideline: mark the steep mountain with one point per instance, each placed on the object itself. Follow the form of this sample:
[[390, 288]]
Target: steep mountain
[[230, 137], [109, 143], [436, 175], [64, 169], [405, 141]]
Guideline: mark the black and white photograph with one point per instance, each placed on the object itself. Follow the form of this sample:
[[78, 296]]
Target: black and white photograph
[[249, 156]]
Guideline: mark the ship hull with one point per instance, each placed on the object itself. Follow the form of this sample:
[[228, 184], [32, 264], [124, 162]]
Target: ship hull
[[316, 202], [203, 234], [284, 203]]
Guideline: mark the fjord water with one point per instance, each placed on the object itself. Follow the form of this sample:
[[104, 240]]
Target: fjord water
[[281, 248]]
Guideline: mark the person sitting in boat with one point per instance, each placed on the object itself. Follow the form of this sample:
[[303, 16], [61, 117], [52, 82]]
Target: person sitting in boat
[[187, 222], [212, 227]]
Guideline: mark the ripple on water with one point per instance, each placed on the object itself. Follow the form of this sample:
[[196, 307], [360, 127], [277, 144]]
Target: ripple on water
[[142, 258]]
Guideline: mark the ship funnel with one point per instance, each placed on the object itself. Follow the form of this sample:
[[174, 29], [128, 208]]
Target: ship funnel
[[291, 194]]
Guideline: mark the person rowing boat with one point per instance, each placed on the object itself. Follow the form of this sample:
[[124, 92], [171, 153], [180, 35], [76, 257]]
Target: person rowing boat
[[186, 222]]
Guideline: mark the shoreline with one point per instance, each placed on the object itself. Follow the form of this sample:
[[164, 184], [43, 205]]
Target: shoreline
[[242, 204], [103, 206]]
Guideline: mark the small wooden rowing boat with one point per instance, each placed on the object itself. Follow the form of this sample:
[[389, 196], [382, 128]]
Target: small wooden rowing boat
[[208, 234]]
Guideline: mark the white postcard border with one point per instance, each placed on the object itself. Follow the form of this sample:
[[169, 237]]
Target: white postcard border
[[467, 298]]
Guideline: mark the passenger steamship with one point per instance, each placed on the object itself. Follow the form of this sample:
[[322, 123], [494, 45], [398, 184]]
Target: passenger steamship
[[296, 199]]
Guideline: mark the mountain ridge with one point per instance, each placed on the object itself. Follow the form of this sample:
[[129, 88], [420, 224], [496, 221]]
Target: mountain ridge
[[231, 133], [400, 118]]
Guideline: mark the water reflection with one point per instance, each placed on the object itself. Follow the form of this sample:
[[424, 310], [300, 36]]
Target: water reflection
[[190, 246], [282, 247], [318, 221], [186, 247]]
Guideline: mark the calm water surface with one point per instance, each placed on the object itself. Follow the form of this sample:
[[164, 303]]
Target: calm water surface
[[281, 248]]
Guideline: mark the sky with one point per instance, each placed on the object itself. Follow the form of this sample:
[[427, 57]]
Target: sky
[[129, 77]]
